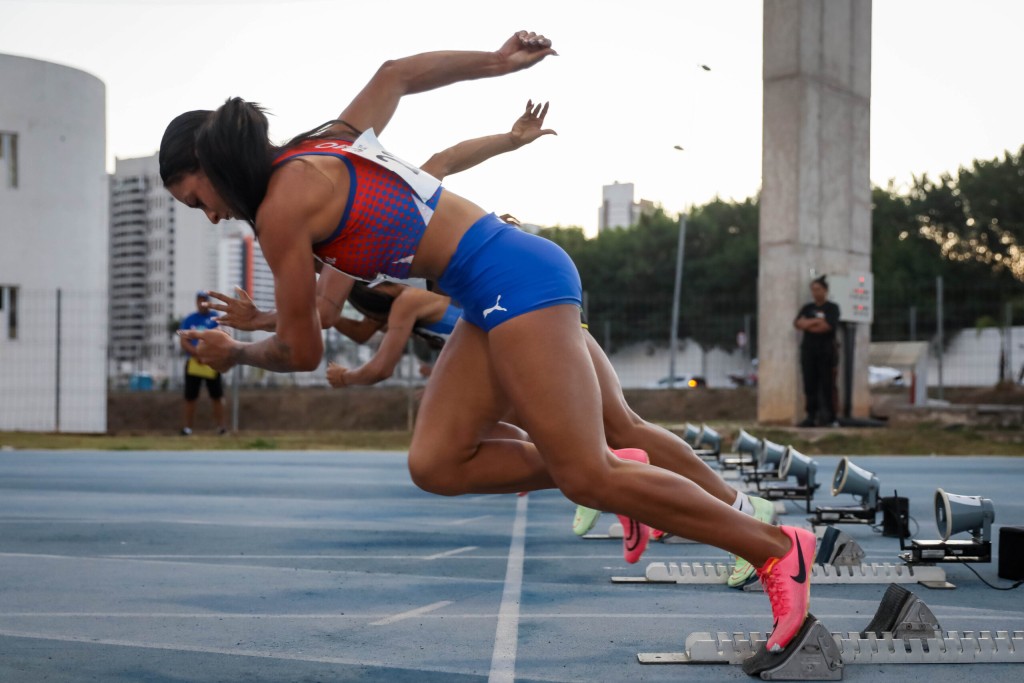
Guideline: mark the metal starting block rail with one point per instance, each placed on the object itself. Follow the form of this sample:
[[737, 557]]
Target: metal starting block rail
[[839, 559], [718, 572], [903, 631], [736, 461], [951, 647]]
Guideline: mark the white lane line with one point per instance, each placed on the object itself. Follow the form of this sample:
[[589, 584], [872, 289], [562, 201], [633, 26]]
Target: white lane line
[[506, 638], [450, 553], [411, 613], [360, 661], [465, 521], [235, 565], [351, 525]]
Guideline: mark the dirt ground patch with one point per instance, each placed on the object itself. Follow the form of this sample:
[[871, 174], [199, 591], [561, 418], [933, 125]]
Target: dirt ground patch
[[378, 418], [388, 408], [265, 410], [384, 408]]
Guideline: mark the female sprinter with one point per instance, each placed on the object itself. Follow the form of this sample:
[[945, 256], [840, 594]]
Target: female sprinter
[[403, 311], [336, 192]]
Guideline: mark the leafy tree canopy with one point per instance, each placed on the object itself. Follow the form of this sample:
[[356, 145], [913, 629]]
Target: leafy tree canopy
[[967, 228]]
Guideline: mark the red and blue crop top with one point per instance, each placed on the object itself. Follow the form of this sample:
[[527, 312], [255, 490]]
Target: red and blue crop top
[[383, 221]]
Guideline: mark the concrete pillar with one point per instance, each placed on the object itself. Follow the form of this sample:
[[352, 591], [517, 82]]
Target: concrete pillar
[[816, 192]]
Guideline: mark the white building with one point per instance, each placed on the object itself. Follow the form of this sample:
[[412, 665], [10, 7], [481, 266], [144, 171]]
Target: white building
[[618, 208], [161, 253], [53, 248]]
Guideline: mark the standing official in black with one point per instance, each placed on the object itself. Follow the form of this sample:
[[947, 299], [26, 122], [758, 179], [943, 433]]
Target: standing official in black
[[818, 354]]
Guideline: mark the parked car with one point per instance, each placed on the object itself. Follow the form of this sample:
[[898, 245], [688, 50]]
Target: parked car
[[883, 376], [748, 379], [681, 382]]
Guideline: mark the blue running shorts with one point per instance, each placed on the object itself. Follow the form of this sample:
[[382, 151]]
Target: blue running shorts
[[498, 272]]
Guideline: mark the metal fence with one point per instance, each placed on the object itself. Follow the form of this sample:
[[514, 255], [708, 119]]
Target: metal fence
[[976, 332], [53, 346], [61, 351]]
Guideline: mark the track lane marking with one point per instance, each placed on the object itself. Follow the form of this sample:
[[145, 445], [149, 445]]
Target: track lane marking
[[451, 553], [401, 616], [506, 638]]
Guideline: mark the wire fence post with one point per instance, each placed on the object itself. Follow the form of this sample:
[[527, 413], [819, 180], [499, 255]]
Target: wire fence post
[[938, 333], [913, 323], [236, 380], [746, 341], [235, 371], [56, 402], [1007, 343], [673, 338]]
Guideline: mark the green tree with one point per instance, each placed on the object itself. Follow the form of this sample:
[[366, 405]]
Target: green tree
[[967, 228], [977, 216], [720, 275], [629, 274]]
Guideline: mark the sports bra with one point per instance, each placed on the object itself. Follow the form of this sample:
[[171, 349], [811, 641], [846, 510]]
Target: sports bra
[[384, 218]]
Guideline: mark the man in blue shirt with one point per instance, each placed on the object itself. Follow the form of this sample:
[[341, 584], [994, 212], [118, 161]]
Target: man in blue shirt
[[195, 372]]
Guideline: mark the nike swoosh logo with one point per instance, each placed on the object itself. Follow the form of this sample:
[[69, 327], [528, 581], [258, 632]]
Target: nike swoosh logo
[[633, 537], [801, 575]]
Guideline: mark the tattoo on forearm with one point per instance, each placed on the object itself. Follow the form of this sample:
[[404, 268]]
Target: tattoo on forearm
[[270, 354]]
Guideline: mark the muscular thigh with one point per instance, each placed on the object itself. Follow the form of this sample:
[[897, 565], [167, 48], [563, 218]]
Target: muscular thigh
[[462, 401], [543, 365]]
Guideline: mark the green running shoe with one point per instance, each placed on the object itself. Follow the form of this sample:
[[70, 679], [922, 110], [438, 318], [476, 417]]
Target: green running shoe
[[743, 572], [764, 510], [585, 520]]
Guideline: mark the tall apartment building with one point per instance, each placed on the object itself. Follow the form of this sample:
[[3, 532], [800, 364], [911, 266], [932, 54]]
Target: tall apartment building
[[618, 209], [161, 253], [242, 264]]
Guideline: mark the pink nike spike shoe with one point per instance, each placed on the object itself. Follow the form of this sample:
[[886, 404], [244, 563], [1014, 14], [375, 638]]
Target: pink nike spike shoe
[[634, 534], [787, 581]]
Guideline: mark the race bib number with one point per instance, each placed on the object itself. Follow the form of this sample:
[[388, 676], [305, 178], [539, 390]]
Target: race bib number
[[368, 147]]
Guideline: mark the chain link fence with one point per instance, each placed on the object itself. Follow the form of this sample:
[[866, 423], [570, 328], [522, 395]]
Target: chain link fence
[[62, 351]]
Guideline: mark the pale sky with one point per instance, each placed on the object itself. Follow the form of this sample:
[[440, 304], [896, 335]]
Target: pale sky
[[626, 87]]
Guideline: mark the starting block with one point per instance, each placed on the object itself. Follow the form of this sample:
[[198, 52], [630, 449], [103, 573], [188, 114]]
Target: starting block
[[903, 631], [718, 572], [837, 548], [839, 559]]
